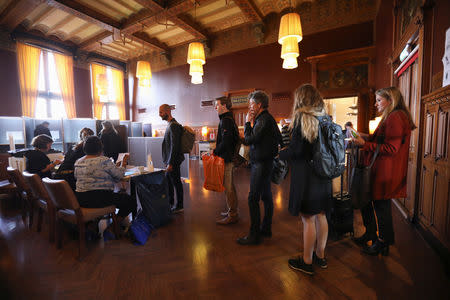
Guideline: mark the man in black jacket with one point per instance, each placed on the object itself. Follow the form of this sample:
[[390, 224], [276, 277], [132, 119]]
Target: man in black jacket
[[172, 156], [262, 134], [226, 143]]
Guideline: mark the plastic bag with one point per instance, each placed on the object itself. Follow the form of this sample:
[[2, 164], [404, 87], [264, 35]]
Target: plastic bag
[[214, 168], [140, 229]]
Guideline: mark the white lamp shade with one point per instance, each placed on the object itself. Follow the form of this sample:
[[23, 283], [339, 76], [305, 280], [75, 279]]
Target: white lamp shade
[[143, 69], [196, 52], [290, 63], [290, 26]]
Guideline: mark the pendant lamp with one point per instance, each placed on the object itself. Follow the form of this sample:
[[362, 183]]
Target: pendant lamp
[[102, 84], [143, 73], [289, 35], [196, 60]]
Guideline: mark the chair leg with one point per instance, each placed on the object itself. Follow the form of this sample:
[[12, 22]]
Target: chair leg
[[40, 217], [59, 233], [51, 225], [31, 212], [115, 225], [81, 239]]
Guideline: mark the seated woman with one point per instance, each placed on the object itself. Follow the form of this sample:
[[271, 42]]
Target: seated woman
[[112, 144], [37, 161], [66, 169], [95, 178]]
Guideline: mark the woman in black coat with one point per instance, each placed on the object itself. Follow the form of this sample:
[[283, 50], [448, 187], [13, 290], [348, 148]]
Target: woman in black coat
[[112, 144], [310, 195]]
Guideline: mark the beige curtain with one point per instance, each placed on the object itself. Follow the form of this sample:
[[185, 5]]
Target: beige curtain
[[119, 92], [64, 68], [97, 105], [28, 65]]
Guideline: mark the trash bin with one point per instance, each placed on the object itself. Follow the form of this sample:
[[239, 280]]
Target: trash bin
[[153, 193]]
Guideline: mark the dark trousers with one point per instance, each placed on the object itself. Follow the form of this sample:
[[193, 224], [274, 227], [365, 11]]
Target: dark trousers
[[174, 181], [377, 216], [102, 198], [260, 188]]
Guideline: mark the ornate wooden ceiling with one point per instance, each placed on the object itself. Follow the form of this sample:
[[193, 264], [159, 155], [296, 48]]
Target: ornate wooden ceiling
[[126, 29]]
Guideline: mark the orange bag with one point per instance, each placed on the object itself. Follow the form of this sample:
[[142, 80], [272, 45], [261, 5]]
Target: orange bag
[[214, 168]]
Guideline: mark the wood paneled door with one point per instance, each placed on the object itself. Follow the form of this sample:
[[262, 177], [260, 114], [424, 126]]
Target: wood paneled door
[[434, 201], [408, 85]]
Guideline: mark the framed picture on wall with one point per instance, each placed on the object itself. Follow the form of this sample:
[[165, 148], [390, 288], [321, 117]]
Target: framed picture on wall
[[239, 99]]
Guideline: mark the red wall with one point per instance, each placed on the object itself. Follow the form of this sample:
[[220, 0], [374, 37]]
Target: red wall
[[258, 67], [82, 85], [383, 42], [9, 85]]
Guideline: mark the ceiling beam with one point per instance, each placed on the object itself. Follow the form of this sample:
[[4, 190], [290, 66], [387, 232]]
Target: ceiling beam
[[150, 4], [17, 11], [149, 18], [187, 25], [93, 43], [143, 38], [249, 10], [85, 13]]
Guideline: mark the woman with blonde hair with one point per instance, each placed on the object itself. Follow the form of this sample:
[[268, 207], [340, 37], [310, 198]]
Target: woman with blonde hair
[[388, 173], [310, 195]]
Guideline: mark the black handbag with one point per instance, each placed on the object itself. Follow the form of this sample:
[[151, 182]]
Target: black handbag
[[361, 183], [280, 169]]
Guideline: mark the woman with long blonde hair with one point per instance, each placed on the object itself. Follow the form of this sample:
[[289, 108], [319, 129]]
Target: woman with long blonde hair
[[310, 195], [389, 170]]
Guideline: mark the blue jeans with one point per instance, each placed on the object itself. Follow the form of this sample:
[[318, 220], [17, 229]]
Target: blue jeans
[[260, 188]]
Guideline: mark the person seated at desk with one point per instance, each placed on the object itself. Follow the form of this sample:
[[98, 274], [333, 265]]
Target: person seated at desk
[[65, 170], [112, 144], [37, 161], [95, 178]]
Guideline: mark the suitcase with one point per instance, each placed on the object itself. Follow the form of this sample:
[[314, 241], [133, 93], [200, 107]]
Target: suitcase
[[340, 216]]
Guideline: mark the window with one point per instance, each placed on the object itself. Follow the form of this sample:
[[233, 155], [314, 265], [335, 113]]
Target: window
[[110, 110], [49, 103]]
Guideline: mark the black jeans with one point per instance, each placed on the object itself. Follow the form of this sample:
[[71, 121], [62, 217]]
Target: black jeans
[[174, 181], [102, 198], [377, 215], [260, 188]]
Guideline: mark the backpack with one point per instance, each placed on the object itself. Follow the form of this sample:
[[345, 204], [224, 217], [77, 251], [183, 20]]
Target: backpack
[[187, 139], [328, 159]]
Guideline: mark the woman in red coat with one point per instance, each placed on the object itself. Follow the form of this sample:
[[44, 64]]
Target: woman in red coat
[[389, 170]]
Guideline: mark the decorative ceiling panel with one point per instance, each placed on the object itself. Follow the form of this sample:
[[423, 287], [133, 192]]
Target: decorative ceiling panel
[[107, 8]]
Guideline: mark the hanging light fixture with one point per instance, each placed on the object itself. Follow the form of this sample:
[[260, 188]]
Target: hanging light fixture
[[196, 60], [289, 35], [102, 84], [143, 73]]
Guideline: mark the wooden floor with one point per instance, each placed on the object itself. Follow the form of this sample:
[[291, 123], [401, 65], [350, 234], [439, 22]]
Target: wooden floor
[[193, 258]]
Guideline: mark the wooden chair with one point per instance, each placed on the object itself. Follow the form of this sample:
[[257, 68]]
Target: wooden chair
[[43, 201], [6, 185], [25, 193], [69, 210]]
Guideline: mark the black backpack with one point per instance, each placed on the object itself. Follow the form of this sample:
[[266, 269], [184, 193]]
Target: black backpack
[[328, 160]]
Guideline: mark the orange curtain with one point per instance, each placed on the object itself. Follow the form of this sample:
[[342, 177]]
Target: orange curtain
[[97, 105], [64, 68], [28, 65], [119, 92]]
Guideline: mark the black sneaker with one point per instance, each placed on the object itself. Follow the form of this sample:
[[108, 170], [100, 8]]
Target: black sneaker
[[249, 240], [177, 209], [300, 265], [321, 262]]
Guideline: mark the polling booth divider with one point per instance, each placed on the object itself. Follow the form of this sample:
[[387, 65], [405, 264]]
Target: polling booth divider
[[140, 147]]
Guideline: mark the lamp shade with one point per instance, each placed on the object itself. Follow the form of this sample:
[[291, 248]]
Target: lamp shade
[[196, 53], [143, 69], [196, 71], [290, 26], [143, 73], [289, 53]]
